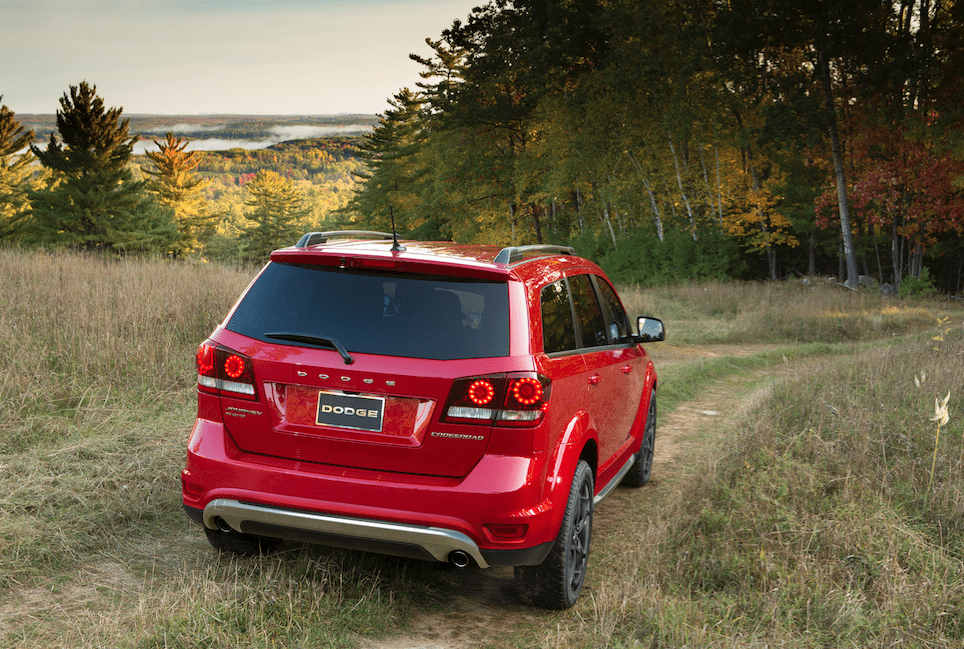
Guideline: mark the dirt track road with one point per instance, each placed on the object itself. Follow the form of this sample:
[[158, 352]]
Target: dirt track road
[[481, 606]]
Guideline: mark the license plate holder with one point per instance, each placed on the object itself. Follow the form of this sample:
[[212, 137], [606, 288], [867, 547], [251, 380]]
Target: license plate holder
[[350, 411]]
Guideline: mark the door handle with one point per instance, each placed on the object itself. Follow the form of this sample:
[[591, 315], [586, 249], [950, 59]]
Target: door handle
[[595, 379], [627, 369]]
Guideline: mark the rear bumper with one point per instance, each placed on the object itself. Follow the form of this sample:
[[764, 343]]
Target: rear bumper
[[439, 519], [413, 541]]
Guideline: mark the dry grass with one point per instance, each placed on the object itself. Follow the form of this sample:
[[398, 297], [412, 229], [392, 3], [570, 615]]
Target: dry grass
[[95, 396], [96, 402], [816, 526], [88, 323], [787, 312]]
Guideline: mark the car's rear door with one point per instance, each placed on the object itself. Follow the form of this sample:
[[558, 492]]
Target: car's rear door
[[608, 372]]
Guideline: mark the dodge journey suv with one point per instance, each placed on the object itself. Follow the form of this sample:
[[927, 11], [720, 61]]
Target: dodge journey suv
[[456, 403]]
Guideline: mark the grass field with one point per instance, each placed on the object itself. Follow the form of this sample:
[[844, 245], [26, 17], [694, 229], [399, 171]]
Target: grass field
[[832, 517]]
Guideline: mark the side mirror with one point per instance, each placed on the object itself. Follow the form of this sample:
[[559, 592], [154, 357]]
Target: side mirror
[[651, 330]]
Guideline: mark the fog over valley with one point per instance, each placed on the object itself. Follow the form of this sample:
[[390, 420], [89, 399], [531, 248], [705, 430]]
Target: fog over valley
[[273, 135], [219, 132]]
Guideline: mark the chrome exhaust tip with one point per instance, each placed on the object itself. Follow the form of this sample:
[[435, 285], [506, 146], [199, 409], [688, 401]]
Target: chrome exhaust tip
[[222, 525], [459, 559]]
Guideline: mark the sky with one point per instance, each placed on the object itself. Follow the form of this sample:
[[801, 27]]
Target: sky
[[192, 57]]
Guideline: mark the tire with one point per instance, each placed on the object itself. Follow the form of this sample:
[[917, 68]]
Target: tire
[[239, 543], [557, 581], [639, 473]]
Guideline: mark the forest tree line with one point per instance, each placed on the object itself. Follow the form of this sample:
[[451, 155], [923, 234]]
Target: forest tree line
[[669, 140], [689, 138], [86, 188]]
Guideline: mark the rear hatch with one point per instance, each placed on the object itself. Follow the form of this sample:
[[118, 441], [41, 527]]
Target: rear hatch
[[353, 367]]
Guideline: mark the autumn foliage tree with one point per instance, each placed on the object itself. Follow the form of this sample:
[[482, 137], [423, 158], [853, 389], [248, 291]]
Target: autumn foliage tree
[[905, 192], [629, 128], [179, 188], [15, 175]]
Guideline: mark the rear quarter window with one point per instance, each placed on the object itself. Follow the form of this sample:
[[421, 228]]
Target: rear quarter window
[[589, 317], [558, 331]]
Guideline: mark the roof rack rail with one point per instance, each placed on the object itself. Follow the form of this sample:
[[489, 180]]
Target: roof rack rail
[[313, 238], [514, 254]]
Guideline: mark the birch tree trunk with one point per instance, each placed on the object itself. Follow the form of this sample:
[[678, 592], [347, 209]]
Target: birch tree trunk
[[761, 214], [657, 218], [608, 222], [719, 184], [846, 231], [682, 190], [512, 221]]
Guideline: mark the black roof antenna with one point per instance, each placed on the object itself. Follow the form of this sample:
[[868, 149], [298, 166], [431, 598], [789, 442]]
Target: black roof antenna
[[396, 246]]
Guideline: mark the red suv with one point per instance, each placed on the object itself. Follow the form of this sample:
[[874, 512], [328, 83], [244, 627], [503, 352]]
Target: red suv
[[456, 403]]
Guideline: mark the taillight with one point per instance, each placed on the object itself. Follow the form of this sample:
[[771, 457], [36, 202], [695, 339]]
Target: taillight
[[517, 399], [526, 399], [224, 371]]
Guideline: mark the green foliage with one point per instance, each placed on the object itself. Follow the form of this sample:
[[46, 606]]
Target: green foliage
[[554, 121], [316, 160], [278, 215], [394, 177], [579, 120], [641, 258], [912, 286], [92, 200]]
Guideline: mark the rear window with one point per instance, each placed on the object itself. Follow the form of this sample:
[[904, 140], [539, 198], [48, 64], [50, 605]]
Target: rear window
[[391, 314]]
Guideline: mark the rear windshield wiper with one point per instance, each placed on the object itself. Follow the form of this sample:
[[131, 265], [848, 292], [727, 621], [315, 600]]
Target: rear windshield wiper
[[311, 339]]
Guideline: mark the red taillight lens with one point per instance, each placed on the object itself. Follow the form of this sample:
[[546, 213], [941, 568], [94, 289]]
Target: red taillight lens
[[223, 371], [205, 359], [234, 366], [481, 392], [526, 391], [526, 399], [471, 400], [523, 398]]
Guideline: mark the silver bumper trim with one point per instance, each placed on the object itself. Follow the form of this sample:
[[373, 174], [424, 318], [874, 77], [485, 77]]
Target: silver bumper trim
[[438, 542]]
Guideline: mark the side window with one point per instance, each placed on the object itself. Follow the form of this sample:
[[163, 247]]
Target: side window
[[589, 316], [558, 333], [613, 311]]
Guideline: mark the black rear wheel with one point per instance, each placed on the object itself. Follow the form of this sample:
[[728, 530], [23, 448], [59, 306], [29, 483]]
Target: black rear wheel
[[639, 473], [556, 582]]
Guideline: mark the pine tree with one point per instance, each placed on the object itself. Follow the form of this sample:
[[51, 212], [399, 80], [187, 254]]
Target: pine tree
[[395, 175], [93, 200], [15, 173], [178, 188], [278, 215]]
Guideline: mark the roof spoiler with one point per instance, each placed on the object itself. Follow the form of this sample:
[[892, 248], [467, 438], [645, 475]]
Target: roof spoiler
[[313, 238], [514, 254]]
